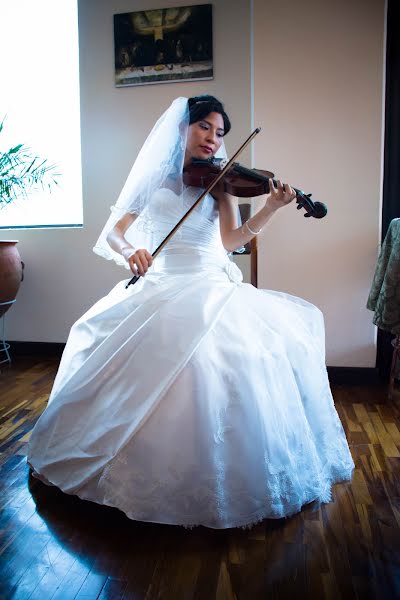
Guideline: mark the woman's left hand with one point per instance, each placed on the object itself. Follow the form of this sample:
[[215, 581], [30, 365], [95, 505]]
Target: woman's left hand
[[279, 196]]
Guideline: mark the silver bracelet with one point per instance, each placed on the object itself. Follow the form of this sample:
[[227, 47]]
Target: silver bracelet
[[250, 229]]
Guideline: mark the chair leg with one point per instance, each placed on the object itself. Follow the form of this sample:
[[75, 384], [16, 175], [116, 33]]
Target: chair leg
[[254, 262]]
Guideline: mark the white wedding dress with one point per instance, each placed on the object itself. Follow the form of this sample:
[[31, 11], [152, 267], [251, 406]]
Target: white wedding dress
[[192, 398]]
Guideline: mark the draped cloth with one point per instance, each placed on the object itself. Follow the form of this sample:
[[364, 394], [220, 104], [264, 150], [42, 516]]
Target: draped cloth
[[384, 296]]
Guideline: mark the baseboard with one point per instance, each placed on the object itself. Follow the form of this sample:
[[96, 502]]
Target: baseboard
[[45, 349], [354, 376]]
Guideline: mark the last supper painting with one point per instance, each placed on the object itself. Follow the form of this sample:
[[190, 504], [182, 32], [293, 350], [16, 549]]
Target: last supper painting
[[163, 45]]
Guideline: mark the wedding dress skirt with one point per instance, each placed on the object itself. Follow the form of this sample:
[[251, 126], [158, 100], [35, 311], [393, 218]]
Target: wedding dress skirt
[[192, 398]]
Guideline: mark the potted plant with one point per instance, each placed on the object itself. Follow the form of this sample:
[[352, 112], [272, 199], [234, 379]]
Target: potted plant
[[20, 172]]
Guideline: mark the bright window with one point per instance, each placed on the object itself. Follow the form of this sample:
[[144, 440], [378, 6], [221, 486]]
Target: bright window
[[39, 96]]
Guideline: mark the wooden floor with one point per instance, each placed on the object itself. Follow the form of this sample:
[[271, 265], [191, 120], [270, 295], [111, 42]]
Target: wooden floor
[[56, 546]]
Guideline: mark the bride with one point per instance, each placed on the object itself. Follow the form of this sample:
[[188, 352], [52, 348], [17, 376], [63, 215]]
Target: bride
[[191, 398]]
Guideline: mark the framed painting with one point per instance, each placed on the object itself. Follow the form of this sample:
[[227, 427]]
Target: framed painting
[[163, 45]]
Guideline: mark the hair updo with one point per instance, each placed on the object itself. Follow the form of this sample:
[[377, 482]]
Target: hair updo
[[201, 106]]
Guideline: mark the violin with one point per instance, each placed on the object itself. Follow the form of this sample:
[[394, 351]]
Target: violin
[[244, 183]]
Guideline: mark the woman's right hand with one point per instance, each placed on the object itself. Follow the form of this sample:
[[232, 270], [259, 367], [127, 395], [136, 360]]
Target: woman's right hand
[[139, 262]]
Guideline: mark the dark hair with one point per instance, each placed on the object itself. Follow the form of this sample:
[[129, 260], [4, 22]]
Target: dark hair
[[201, 106]]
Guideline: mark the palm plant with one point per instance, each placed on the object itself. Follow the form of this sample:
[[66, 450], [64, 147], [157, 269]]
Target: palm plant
[[22, 171]]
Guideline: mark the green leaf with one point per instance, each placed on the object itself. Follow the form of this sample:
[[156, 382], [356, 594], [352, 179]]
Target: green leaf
[[15, 149]]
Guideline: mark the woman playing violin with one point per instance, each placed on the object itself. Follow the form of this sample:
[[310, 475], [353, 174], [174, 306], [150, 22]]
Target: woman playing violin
[[191, 398], [204, 138]]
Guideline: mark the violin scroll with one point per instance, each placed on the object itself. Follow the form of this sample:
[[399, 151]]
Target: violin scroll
[[318, 210]]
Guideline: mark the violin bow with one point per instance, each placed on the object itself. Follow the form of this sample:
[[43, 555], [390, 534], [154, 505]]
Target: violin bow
[[199, 199]]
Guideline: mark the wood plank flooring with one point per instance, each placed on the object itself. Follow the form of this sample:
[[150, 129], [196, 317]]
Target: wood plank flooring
[[54, 546]]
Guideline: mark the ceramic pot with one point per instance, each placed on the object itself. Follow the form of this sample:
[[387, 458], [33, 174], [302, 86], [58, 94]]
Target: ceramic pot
[[11, 272]]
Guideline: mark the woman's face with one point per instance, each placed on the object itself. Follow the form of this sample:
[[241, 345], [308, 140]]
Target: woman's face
[[204, 137]]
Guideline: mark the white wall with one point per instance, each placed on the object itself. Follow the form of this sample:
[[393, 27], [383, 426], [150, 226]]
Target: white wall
[[318, 72], [318, 68]]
